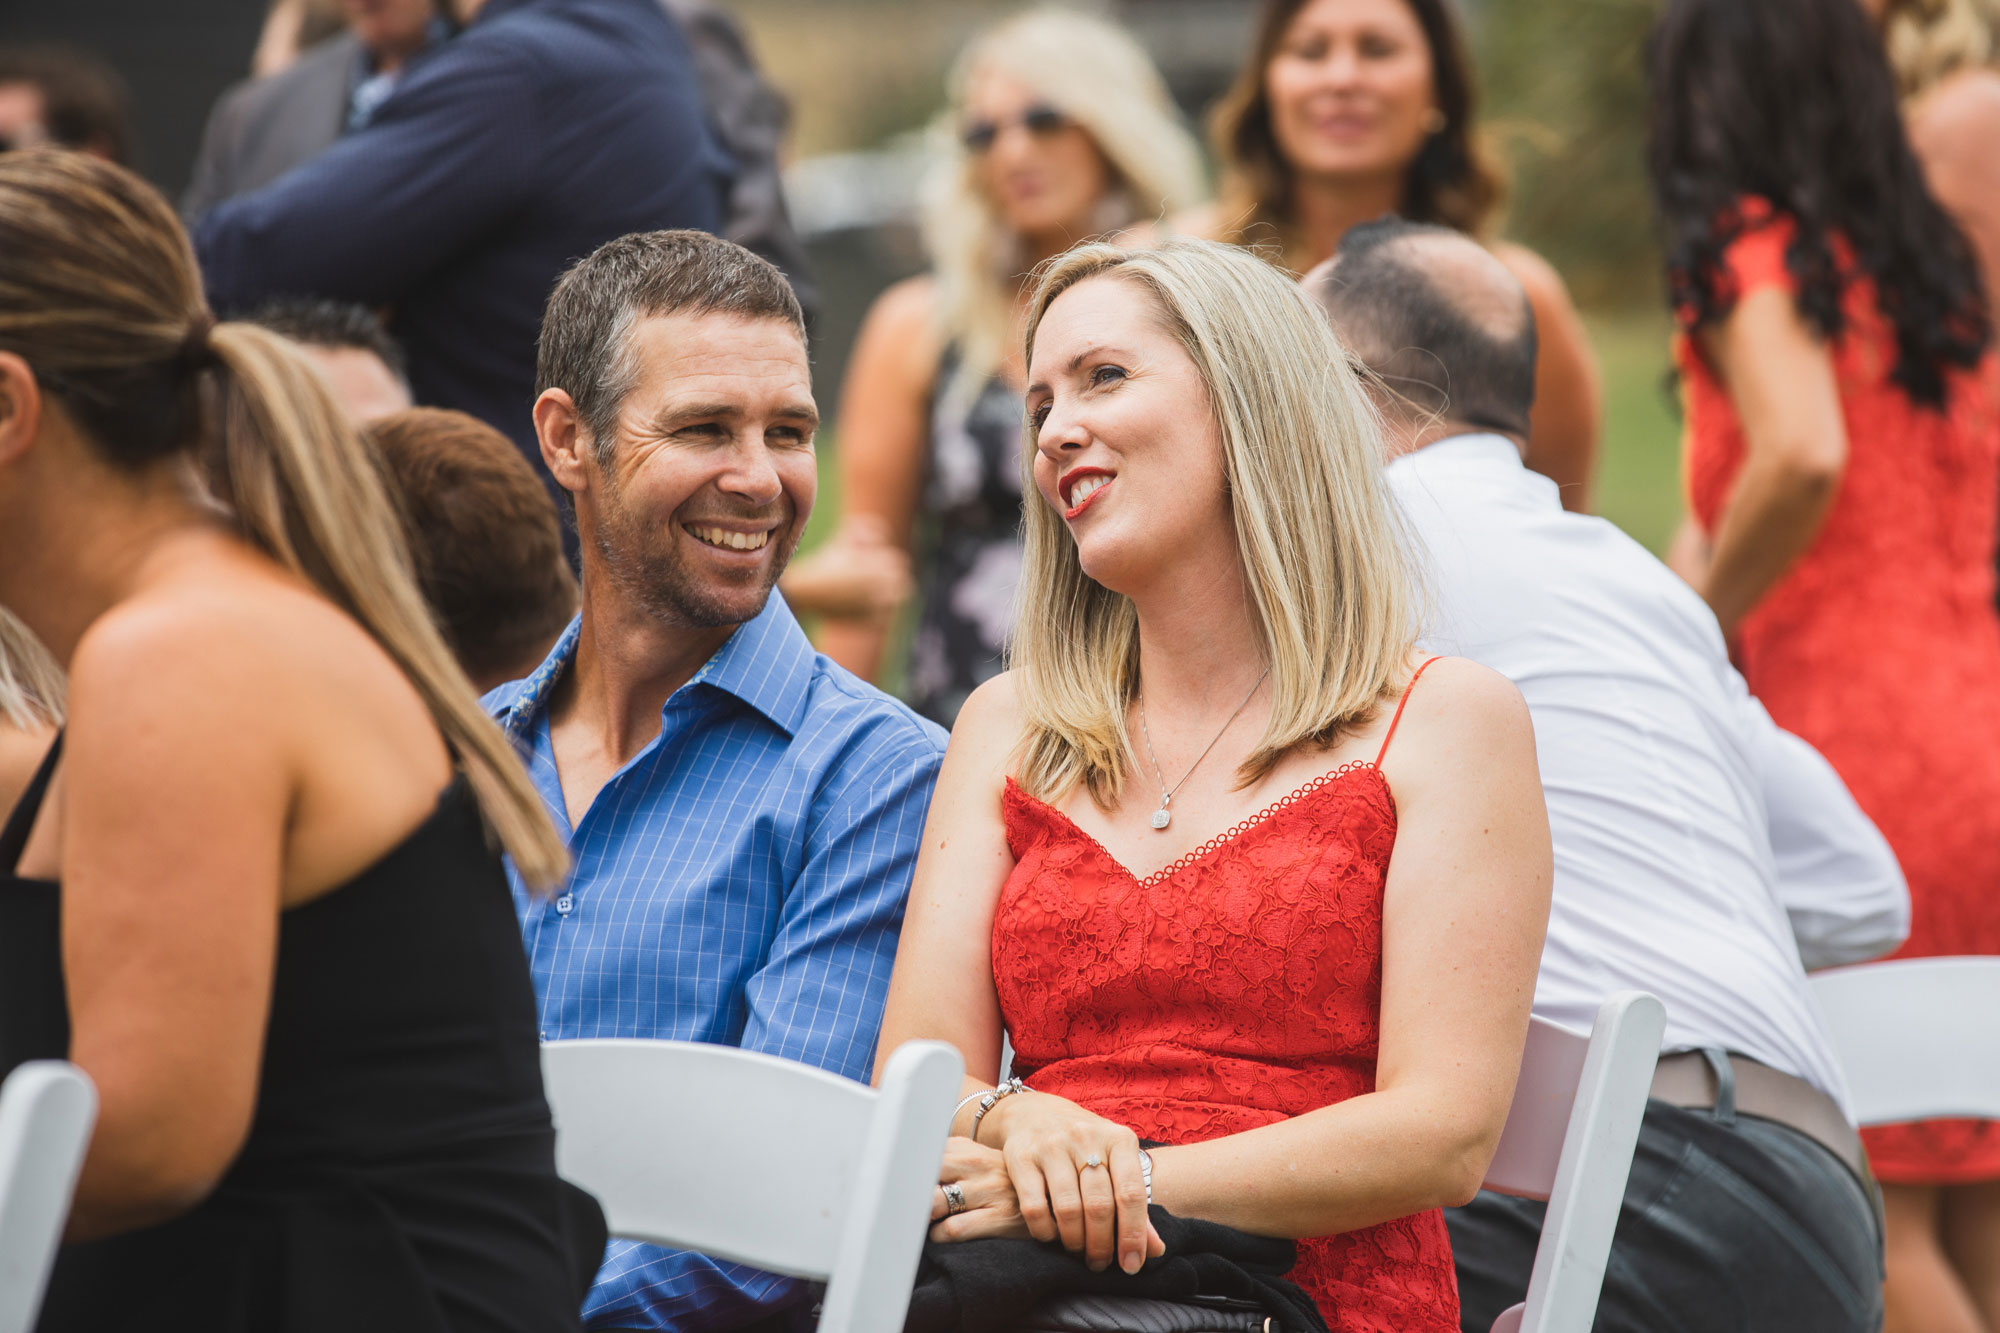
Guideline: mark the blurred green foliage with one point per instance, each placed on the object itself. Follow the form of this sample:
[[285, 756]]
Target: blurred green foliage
[[1565, 107]]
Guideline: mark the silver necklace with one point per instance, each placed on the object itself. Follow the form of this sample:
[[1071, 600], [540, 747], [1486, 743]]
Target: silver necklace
[[1163, 816]]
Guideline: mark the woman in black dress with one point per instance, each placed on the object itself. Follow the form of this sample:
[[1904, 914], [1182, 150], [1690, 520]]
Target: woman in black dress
[[255, 891]]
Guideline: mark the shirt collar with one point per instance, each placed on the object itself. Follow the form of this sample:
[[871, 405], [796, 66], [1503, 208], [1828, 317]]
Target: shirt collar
[[1481, 446], [767, 663]]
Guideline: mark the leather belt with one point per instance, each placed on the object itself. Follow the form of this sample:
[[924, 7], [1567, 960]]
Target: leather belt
[[1688, 1080]]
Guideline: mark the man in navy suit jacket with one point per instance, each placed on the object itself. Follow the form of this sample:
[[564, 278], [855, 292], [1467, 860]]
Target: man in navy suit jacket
[[544, 129]]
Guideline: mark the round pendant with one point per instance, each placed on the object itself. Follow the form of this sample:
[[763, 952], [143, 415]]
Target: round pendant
[[1161, 818]]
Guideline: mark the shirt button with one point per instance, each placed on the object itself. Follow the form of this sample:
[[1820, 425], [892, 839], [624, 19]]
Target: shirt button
[[564, 904]]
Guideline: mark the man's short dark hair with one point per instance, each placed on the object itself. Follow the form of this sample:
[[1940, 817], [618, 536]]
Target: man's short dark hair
[[485, 539], [1462, 351], [583, 348], [85, 105], [341, 325]]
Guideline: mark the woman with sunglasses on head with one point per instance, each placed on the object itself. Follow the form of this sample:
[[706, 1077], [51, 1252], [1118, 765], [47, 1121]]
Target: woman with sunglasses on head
[[1349, 109], [1843, 465], [255, 889], [1237, 869], [1059, 130]]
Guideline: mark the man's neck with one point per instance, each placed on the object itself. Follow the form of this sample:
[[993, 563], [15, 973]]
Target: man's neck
[[1402, 436], [628, 664]]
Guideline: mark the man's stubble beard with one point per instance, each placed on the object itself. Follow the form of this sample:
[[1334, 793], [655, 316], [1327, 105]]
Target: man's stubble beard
[[659, 582]]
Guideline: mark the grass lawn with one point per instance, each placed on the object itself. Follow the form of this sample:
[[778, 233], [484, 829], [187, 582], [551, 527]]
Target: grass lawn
[[1638, 473]]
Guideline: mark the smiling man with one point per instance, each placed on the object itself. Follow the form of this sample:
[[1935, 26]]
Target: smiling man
[[744, 814]]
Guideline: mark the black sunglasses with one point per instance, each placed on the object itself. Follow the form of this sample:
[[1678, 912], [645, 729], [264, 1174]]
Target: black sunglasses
[[1040, 120]]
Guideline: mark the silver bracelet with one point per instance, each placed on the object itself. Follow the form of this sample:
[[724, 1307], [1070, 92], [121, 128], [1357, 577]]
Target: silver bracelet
[[988, 1100], [963, 1103], [1146, 1174]]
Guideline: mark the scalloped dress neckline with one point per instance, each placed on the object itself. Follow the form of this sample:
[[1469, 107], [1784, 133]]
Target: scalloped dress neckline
[[1208, 847]]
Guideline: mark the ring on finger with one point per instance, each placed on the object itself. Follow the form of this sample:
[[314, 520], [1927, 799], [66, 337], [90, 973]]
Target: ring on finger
[[1090, 1161], [954, 1199]]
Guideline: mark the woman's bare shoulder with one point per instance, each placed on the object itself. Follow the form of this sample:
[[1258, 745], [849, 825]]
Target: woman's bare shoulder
[[1962, 110], [1545, 287], [1461, 711], [1203, 222]]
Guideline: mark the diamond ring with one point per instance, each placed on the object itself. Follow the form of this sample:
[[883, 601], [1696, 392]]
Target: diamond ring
[[954, 1199], [1090, 1161]]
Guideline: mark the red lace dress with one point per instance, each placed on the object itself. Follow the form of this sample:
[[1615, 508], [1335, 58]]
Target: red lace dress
[[1881, 645], [1239, 986]]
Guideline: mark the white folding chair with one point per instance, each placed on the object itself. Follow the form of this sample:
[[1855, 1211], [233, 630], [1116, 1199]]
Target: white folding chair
[[47, 1108], [1569, 1140], [748, 1157], [1918, 1038]]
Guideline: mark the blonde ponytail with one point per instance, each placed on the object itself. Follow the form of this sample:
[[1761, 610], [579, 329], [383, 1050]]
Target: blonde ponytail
[[99, 292], [31, 684], [304, 489]]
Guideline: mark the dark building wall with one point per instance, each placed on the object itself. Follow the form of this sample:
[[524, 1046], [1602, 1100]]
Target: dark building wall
[[176, 55]]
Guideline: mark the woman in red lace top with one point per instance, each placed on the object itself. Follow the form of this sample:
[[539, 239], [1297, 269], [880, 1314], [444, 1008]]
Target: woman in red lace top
[[1174, 852], [1843, 463]]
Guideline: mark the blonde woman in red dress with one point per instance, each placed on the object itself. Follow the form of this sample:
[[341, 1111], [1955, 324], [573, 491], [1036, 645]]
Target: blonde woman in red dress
[[1236, 869], [1843, 459]]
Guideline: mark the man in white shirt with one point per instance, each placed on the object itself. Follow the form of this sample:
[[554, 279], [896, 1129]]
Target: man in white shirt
[[1701, 853]]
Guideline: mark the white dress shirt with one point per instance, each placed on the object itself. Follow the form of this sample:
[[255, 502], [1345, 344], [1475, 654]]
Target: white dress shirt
[[1700, 853]]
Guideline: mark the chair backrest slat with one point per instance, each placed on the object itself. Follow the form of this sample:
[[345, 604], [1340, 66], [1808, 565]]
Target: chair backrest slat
[[1569, 1140], [47, 1109], [759, 1160], [1917, 1038]]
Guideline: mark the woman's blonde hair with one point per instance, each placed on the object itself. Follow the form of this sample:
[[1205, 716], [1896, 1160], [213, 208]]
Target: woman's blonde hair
[[100, 295], [1097, 75], [1325, 561], [31, 684], [1929, 40]]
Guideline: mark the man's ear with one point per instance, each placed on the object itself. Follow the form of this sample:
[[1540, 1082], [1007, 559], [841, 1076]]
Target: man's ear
[[20, 407], [564, 439]]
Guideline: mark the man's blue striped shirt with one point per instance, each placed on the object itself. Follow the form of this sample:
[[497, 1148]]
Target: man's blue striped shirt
[[740, 881]]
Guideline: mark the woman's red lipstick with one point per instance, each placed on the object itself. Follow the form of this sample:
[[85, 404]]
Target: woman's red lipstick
[[1069, 484]]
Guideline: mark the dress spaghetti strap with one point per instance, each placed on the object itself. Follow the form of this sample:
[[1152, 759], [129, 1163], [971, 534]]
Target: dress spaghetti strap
[[14, 836], [1401, 704]]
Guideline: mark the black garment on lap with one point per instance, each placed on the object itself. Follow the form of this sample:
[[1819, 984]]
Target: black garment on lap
[[1730, 1225], [990, 1286], [399, 1174]]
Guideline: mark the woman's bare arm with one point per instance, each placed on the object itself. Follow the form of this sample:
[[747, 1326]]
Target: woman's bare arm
[[1568, 415], [942, 987], [1780, 377], [175, 806], [858, 578]]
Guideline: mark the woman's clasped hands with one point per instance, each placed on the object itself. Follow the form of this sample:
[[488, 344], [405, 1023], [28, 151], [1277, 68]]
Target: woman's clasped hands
[[1058, 1173]]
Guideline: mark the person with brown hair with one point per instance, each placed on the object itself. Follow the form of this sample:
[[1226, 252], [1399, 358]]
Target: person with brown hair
[[487, 547], [744, 813], [1349, 109], [255, 890], [66, 97]]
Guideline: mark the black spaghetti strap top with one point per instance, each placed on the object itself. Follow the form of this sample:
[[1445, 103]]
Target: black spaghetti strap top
[[400, 1170]]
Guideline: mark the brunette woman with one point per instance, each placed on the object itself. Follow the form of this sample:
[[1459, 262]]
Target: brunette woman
[[1349, 109], [1059, 130], [1844, 468], [255, 891], [1214, 850]]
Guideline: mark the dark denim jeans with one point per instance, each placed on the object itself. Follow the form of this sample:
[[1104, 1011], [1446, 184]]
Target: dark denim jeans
[[1731, 1224]]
